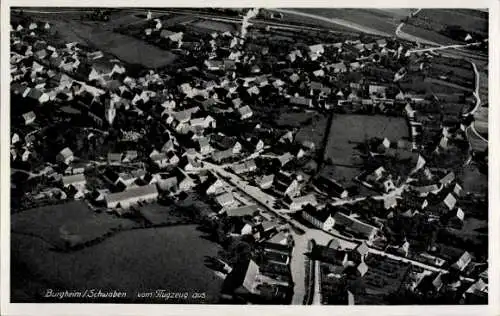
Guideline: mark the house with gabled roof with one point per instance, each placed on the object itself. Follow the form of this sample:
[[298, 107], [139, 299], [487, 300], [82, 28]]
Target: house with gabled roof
[[160, 159], [244, 167], [245, 210], [301, 101], [448, 178], [20, 89], [381, 42], [29, 117], [132, 196], [286, 185], [299, 202], [463, 261], [167, 182], [77, 181], [245, 112], [450, 201], [225, 199], [65, 156], [265, 182], [355, 226], [330, 187], [319, 218], [457, 189], [38, 95], [285, 158], [214, 185], [426, 190], [114, 158], [339, 67], [220, 156]]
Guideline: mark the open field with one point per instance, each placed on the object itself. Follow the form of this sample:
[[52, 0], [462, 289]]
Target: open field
[[294, 119], [157, 214], [431, 24], [68, 224], [477, 144], [214, 26], [381, 20], [474, 181], [314, 131], [347, 132], [169, 258], [481, 115], [298, 19], [481, 121], [99, 36], [427, 85], [459, 74]]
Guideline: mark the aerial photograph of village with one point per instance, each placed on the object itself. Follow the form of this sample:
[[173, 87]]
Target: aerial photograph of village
[[272, 156]]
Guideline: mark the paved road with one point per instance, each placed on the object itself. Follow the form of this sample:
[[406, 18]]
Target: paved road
[[431, 49], [297, 264], [403, 35], [478, 104], [29, 173], [298, 259], [298, 254], [213, 17], [317, 286], [321, 237]]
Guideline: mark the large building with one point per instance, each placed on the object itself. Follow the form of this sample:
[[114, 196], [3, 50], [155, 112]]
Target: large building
[[126, 199], [354, 226]]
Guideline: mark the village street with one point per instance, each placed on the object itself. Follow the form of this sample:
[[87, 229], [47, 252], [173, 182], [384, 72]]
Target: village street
[[321, 237]]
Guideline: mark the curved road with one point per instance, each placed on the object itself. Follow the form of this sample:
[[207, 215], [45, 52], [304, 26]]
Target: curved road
[[406, 36], [399, 33], [322, 237]]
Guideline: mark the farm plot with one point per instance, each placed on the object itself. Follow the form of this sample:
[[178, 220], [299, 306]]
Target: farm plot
[[349, 131], [448, 26], [214, 26], [473, 180], [170, 258], [307, 21], [126, 48], [295, 119], [314, 131], [68, 224], [157, 214], [426, 85], [381, 20], [458, 73], [476, 143]]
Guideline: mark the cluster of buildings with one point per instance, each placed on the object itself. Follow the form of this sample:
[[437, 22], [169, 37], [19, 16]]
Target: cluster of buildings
[[210, 115], [360, 277], [269, 279]]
